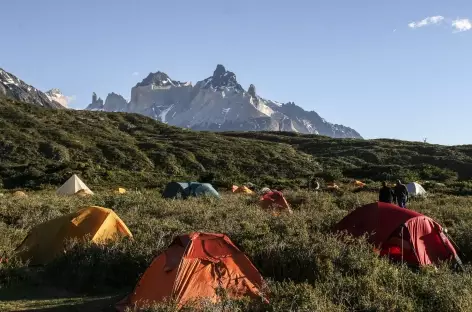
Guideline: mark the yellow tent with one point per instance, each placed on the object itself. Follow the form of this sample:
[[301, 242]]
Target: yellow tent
[[120, 190], [332, 186], [19, 194], [45, 241], [242, 189], [359, 183], [82, 193]]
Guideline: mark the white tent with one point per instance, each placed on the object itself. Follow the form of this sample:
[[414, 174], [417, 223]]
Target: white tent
[[72, 186], [415, 189]]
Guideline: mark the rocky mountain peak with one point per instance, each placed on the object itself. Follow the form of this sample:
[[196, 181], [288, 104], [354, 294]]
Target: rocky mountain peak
[[219, 71], [97, 103], [252, 91], [160, 79], [13, 87], [57, 96], [115, 103], [54, 91], [222, 79], [217, 103]]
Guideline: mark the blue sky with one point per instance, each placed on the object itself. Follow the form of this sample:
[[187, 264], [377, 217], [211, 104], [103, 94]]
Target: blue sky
[[358, 63]]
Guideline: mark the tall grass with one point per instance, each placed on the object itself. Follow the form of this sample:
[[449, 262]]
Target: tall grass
[[307, 267]]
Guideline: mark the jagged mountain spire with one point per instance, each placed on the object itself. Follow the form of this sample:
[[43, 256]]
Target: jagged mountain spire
[[222, 79]]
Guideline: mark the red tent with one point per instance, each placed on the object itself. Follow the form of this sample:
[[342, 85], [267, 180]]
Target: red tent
[[400, 233], [274, 200]]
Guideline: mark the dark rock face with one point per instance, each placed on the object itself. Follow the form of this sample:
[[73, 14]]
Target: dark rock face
[[115, 103], [97, 103], [252, 91], [222, 79], [12, 87], [159, 79]]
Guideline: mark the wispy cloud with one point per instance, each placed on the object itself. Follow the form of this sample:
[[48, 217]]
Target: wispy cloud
[[71, 98], [458, 25], [461, 25], [432, 20], [135, 74]]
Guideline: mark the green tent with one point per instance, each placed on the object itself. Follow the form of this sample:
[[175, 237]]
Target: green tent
[[182, 190]]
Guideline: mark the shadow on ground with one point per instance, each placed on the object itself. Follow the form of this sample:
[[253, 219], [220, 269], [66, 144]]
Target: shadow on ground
[[49, 299]]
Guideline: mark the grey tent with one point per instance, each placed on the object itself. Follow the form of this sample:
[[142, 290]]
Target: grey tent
[[182, 190], [203, 189]]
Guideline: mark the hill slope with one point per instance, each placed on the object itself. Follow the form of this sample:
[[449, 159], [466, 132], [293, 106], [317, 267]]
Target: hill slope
[[41, 146], [381, 159]]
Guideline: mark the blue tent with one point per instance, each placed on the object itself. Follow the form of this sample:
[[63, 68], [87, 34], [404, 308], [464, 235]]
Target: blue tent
[[183, 190]]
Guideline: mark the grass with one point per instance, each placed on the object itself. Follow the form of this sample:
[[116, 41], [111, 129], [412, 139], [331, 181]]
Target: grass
[[41, 147], [307, 267]]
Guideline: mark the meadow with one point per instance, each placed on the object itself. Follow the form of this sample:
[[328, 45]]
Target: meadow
[[306, 267]]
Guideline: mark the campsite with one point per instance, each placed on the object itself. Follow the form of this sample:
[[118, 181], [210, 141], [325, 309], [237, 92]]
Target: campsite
[[304, 264], [83, 218]]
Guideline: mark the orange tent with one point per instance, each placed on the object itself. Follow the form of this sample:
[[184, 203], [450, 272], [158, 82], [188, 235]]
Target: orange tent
[[193, 267], [274, 200], [241, 189]]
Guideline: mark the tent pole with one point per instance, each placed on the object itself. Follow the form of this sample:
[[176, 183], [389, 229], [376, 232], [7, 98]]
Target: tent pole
[[458, 260], [401, 234]]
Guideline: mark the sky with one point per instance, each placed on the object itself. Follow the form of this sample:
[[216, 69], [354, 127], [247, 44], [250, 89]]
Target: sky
[[389, 69]]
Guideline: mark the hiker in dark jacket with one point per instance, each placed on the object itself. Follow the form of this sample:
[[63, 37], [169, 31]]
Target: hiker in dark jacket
[[385, 194], [401, 194]]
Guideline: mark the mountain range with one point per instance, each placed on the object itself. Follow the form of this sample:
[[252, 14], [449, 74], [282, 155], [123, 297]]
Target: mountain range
[[15, 88], [217, 103]]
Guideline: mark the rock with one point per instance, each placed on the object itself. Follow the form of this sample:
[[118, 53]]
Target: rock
[[115, 103], [97, 103], [12, 87], [57, 96], [219, 103], [252, 91]]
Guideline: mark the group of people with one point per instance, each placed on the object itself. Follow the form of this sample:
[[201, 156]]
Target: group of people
[[398, 194]]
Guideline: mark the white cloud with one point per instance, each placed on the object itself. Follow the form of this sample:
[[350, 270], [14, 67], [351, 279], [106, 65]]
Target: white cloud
[[432, 20], [71, 98], [462, 25], [135, 74]]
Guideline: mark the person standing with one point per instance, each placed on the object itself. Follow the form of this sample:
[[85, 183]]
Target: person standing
[[385, 194], [401, 194]]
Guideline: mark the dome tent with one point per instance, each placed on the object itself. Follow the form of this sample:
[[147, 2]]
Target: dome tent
[[193, 267], [182, 190], [415, 190], [46, 240], [399, 233]]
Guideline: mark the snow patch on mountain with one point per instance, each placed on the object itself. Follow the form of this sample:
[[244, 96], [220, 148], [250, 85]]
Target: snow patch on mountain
[[163, 114]]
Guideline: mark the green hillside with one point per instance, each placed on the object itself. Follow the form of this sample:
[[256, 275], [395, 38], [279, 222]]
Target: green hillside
[[41, 147]]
